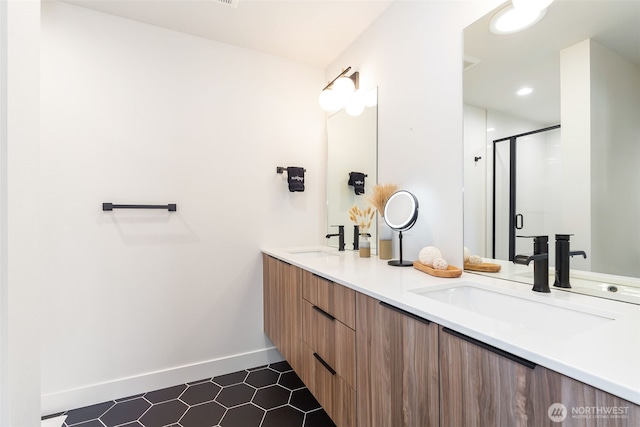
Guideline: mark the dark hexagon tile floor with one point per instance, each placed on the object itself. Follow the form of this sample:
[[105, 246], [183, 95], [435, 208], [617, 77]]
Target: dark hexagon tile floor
[[266, 396]]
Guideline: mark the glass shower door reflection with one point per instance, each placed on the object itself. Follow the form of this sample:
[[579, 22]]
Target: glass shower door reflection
[[526, 191]]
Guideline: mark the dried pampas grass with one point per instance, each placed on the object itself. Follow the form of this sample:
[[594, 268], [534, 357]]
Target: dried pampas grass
[[362, 218], [380, 195]]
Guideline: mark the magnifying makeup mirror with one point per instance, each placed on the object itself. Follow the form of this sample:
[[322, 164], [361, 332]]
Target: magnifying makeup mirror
[[401, 213]]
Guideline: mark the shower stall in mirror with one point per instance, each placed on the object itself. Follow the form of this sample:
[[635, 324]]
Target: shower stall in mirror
[[526, 190]]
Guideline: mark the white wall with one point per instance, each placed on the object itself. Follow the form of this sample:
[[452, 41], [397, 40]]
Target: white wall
[[19, 210], [575, 115], [413, 53], [137, 114], [615, 160]]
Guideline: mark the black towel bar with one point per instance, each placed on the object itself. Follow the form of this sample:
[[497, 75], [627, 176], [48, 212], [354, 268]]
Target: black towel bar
[[280, 169], [110, 206]]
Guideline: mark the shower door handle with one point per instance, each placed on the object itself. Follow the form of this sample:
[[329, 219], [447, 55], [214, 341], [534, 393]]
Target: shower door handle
[[521, 224]]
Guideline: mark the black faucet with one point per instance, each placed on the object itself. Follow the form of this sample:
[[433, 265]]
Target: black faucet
[[540, 260], [356, 237], [340, 237], [562, 260]]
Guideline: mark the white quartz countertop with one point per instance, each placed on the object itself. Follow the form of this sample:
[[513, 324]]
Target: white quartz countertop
[[605, 356]]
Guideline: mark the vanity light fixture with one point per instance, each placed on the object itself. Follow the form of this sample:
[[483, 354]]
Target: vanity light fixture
[[338, 92], [510, 20]]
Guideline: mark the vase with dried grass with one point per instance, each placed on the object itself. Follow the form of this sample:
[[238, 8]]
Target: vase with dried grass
[[379, 196], [363, 219]]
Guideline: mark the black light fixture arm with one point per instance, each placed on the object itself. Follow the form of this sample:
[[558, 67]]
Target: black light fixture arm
[[355, 77]]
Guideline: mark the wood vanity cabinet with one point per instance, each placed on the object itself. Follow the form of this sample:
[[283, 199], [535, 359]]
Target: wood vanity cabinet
[[370, 364], [484, 386], [397, 369], [329, 337], [282, 289]]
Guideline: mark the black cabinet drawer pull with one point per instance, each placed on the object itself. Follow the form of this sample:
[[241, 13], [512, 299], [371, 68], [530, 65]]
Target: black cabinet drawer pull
[[512, 357], [324, 313], [325, 364], [406, 313]]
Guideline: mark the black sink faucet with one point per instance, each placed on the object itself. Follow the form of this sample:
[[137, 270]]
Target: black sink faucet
[[540, 260], [356, 237], [562, 260], [340, 237]]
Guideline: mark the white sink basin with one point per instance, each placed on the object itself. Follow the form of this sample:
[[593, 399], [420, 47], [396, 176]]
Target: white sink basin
[[524, 311]]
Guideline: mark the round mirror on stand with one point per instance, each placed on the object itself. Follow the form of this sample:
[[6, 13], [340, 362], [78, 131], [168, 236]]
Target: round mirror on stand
[[401, 213]]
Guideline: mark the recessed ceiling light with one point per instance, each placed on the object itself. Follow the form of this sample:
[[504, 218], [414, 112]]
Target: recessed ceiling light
[[510, 20], [524, 91], [490, 129]]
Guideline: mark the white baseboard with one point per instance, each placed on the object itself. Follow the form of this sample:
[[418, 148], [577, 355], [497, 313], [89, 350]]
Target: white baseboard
[[97, 393]]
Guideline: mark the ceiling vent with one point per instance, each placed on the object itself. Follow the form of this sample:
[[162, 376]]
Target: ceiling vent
[[230, 3], [470, 62]]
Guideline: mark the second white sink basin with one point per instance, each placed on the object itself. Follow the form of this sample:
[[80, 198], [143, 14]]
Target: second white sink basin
[[526, 312]]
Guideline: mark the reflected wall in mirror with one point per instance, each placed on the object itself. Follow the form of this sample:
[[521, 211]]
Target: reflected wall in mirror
[[352, 143], [583, 62]]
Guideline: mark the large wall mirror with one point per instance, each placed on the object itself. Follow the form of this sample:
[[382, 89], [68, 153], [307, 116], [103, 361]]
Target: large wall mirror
[[352, 148], [564, 159]]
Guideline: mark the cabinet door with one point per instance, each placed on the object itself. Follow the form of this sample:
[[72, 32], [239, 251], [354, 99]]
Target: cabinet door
[[584, 405], [484, 386], [272, 293], [480, 387], [397, 367], [283, 309]]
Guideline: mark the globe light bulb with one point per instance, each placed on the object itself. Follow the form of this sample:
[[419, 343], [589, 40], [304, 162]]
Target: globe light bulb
[[355, 108], [329, 100]]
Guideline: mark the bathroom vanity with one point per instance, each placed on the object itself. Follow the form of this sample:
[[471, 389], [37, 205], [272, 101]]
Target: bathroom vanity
[[383, 346]]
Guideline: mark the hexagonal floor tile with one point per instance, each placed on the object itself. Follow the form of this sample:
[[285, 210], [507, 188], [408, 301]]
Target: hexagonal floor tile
[[92, 423], [281, 366], [235, 395], [291, 381], [262, 378], [285, 416], [163, 414], [303, 399], [318, 418], [92, 412], [125, 412], [271, 397], [165, 394], [200, 393], [232, 378], [205, 415], [245, 415]]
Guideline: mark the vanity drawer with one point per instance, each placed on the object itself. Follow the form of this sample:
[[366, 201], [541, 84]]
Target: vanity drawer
[[332, 392], [334, 299], [330, 339]]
